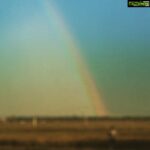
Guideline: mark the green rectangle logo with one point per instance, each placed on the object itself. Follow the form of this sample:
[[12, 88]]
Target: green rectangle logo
[[138, 3]]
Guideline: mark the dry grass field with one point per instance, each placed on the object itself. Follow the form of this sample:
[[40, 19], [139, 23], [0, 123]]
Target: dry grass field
[[85, 134]]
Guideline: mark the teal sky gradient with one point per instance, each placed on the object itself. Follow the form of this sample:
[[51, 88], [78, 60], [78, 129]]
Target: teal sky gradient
[[114, 40]]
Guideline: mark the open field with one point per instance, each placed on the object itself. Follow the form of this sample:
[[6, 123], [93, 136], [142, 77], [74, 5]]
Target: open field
[[85, 134]]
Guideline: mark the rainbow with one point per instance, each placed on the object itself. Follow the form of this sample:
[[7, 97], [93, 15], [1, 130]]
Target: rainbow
[[73, 48]]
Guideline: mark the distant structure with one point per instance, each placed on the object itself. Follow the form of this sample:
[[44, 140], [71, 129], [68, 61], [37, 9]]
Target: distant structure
[[34, 122]]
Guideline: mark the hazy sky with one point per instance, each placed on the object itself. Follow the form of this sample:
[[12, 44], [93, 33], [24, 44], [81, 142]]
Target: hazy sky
[[39, 74]]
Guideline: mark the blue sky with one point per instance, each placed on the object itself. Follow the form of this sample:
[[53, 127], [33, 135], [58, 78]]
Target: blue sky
[[114, 40]]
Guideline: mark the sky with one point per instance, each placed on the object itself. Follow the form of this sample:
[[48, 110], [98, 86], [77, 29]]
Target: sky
[[73, 57]]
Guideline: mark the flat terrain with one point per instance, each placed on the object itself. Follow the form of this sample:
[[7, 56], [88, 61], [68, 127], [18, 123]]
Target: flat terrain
[[75, 133]]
